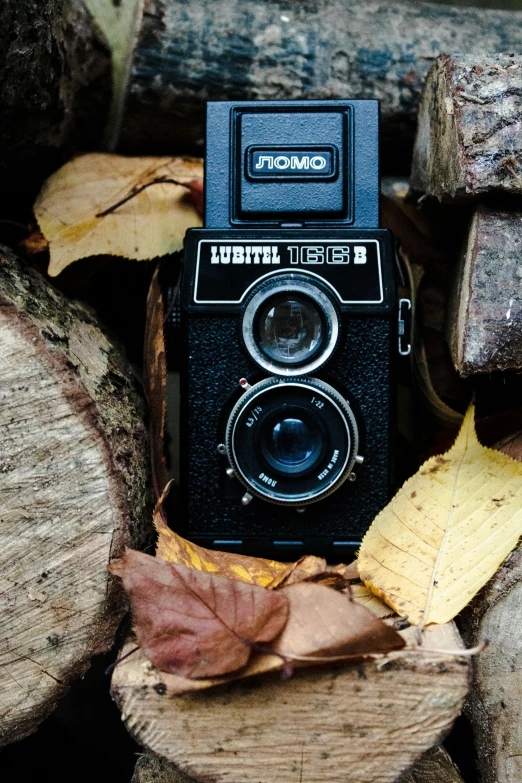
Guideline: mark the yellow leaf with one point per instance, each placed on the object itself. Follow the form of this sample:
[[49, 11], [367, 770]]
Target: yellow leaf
[[151, 224], [175, 549], [363, 595], [446, 532]]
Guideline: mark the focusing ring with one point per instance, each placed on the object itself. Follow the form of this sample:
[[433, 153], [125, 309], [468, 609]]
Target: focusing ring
[[246, 428]]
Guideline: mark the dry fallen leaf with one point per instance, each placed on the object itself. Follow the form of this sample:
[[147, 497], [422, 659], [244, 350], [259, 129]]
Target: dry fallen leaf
[[175, 549], [193, 623], [446, 532], [155, 382], [323, 626], [307, 567], [151, 224], [324, 623], [363, 596]]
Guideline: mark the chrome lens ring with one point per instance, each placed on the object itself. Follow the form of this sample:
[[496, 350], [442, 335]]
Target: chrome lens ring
[[315, 477], [291, 284]]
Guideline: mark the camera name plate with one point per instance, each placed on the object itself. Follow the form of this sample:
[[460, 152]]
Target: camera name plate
[[226, 270]]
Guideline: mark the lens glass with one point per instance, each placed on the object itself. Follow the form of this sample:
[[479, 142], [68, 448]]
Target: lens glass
[[290, 328], [291, 440]]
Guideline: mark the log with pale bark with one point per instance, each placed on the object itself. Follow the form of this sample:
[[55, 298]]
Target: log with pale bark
[[495, 699], [468, 138], [191, 52], [55, 84], [74, 489], [485, 312], [367, 723]]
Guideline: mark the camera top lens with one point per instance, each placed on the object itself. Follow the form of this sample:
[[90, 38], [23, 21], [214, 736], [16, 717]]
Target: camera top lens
[[290, 328], [290, 325]]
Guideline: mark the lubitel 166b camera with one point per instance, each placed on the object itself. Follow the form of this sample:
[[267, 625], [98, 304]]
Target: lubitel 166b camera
[[291, 323]]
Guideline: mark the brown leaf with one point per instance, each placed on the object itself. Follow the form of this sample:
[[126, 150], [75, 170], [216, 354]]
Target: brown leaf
[[175, 549], [323, 626], [324, 623], [348, 572], [155, 382], [307, 567], [193, 623], [34, 243], [75, 208]]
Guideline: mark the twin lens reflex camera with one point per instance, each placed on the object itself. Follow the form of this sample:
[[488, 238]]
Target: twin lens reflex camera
[[291, 325]]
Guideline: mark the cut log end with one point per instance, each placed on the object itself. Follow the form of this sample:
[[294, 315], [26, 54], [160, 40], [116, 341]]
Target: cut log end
[[468, 141], [74, 488], [319, 724]]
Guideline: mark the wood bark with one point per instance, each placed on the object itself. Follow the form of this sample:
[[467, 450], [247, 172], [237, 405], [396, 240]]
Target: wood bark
[[468, 139], [495, 701], [74, 489], [55, 81], [191, 51], [485, 312], [153, 769], [359, 724], [434, 766]]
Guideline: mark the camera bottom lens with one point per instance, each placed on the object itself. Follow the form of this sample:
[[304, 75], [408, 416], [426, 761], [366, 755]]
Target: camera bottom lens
[[292, 441]]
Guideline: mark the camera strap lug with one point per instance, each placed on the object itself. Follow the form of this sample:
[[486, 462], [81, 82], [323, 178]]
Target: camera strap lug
[[404, 334]]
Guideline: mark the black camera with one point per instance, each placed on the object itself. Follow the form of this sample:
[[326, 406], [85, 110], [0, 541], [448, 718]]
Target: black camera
[[291, 323]]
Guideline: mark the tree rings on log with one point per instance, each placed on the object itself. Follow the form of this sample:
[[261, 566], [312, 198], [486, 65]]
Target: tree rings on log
[[74, 478], [328, 725], [468, 136], [485, 314]]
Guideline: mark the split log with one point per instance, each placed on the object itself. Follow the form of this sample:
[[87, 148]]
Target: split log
[[468, 138], [193, 51], [55, 87], [74, 478], [495, 701], [434, 766], [365, 723], [485, 313]]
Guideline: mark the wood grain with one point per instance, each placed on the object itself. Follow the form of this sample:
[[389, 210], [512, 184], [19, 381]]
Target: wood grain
[[74, 489], [361, 724]]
